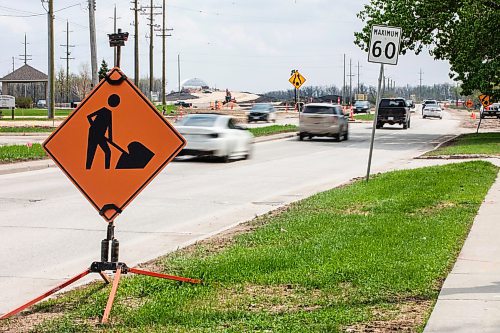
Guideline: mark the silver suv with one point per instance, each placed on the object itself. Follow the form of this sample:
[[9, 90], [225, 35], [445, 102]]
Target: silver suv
[[323, 119]]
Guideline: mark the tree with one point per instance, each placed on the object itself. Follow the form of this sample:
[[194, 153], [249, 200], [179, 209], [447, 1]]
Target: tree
[[464, 32], [82, 82], [103, 70]]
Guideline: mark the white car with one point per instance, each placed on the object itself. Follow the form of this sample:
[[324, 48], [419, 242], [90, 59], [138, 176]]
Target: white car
[[432, 111], [214, 135]]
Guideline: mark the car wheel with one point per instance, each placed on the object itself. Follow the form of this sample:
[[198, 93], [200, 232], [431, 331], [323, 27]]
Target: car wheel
[[423, 117], [346, 135], [379, 125], [409, 123], [248, 155], [301, 136], [336, 137], [225, 159], [310, 137], [405, 125]]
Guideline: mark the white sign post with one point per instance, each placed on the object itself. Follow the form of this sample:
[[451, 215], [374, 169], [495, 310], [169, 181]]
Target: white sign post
[[384, 49]]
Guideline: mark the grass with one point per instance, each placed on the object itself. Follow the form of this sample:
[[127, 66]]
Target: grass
[[170, 108], [26, 129], [466, 144], [35, 112], [365, 116], [273, 129], [48, 121], [364, 256], [18, 153]]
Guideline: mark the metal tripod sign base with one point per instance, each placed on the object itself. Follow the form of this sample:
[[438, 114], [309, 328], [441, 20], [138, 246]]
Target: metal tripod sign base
[[100, 267]]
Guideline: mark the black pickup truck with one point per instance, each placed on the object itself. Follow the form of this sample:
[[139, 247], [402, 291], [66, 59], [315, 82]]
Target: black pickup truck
[[393, 111]]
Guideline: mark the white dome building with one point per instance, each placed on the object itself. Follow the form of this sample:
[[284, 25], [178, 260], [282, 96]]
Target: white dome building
[[194, 84]]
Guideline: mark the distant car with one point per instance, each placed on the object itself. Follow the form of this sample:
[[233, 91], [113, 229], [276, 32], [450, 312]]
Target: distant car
[[262, 111], [426, 102], [361, 106], [432, 111], [183, 104], [323, 119], [214, 135], [41, 103], [491, 111]]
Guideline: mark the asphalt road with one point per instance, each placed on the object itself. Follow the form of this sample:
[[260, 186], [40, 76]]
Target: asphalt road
[[49, 232]]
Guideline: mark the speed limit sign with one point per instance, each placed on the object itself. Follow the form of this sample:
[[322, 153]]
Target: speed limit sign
[[384, 44]]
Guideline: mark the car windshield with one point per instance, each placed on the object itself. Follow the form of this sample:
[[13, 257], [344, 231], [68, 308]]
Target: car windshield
[[361, 104], [261, 107], [392, 102], [198, 121], [318, 109], [430, 102]]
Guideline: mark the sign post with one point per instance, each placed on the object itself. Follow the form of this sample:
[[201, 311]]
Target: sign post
[[111, 147], [384, 49], [485, 101], [297, 80]]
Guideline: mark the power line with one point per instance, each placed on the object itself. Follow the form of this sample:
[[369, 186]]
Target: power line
[[151, 24], [67, 58], [25, 56]]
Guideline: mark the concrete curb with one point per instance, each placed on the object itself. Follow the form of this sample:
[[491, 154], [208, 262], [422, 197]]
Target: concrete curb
[[274, 137], [452, 157], [26, 166], [435, 148]]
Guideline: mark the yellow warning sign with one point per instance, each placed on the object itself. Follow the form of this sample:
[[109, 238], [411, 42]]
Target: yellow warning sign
[[297, 79], [485, 100]]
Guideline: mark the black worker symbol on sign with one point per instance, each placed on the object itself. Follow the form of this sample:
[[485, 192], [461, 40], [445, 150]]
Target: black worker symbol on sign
[[138, 155]]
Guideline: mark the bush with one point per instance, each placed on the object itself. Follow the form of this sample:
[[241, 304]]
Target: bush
[[24, 102]]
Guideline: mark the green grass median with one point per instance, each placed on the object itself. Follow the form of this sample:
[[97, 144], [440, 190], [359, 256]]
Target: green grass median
[[273, 129], [26, 129], [360, 257], [18, 153], [365, 117], [19, 112], [467, 144]]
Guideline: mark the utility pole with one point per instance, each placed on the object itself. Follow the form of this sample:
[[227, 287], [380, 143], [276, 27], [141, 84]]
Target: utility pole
[[50, 88], [420, 87], [67, 58], [343, 85], [93, 47], [164, 35], [13, 64], [25, 56], [151, 24], [114, 31], [179, 72], [358, 78], [136, 41], [350, 81]]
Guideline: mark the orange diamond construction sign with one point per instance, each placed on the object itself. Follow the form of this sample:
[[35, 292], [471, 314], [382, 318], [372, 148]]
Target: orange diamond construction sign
[[114, 144]]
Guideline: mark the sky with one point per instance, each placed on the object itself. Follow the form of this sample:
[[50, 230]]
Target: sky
[[242, 45]]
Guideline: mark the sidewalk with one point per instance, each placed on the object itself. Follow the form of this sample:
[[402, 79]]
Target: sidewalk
[[470, 298]]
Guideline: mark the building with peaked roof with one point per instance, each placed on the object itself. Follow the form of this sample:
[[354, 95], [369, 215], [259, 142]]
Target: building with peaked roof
[[25, 81]]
